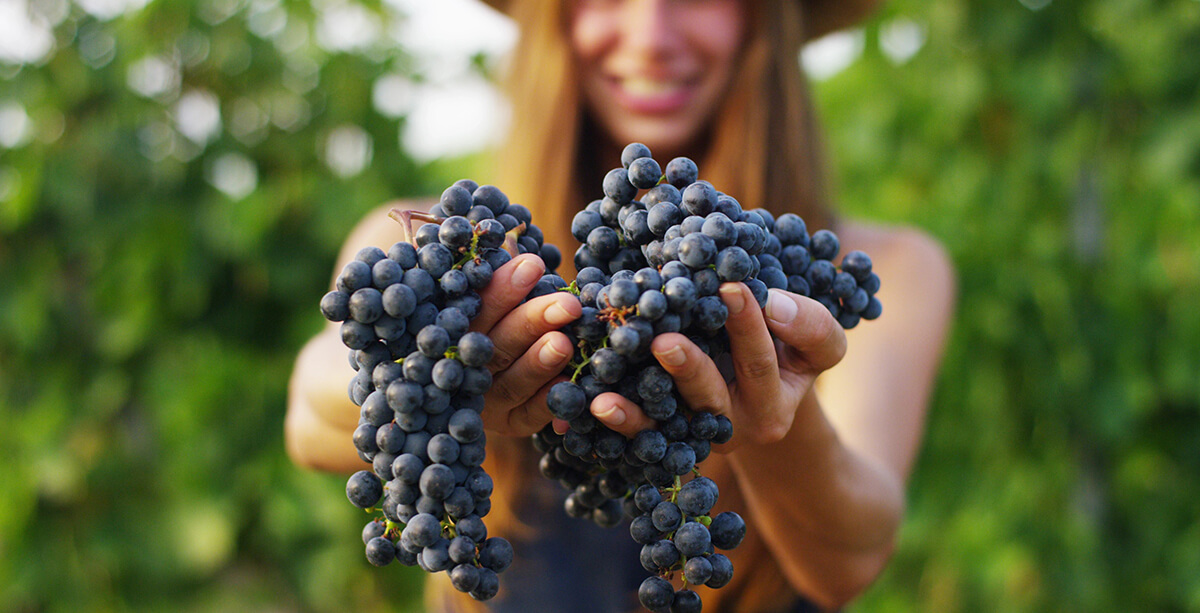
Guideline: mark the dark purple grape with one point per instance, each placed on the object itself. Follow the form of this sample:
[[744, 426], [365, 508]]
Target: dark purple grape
[[464, 577], [373, 529], [427, 234], [697, 570], [435, 259], [496, 553], [733, 264], [721, 229], [873, 310], [820, 276], [824, 245], [617, 186], [364, 489], [644, 172], [456, 200], [566, 400], [489, 585], [697, 250], [727, 530], [699, 198], [403, 254], [681, 172], [633, 151], [496, 201], [335, 306], [656, 593], [794, 259], [791, 230], [692, 539], [366, 305], [380, 551], [686, 601], [355, 275]]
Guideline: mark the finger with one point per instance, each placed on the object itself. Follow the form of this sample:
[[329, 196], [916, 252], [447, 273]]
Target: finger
[[620, 414], [755, 364], [696, 376], [560, 425], [807, 328], [510, 284], [513, 335], [508, 400], [533, 415]]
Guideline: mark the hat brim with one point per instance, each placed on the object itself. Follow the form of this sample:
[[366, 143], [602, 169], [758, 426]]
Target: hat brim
[[820, 16]]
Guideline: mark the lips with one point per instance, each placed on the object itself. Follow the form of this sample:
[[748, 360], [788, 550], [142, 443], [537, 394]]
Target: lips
[[651, 96]]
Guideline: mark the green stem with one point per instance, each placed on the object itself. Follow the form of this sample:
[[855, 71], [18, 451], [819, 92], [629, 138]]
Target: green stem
[[579, 369]]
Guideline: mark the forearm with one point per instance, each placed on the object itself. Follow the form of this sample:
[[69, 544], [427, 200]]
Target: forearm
[[830, 515]]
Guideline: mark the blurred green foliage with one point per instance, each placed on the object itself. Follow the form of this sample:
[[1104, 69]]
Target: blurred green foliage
[[1056, 152], [158, 273]]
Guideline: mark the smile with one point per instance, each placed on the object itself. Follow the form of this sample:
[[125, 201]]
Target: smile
[[651, 96]]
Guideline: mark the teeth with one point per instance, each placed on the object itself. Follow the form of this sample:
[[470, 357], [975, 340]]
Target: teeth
[[650, 87]]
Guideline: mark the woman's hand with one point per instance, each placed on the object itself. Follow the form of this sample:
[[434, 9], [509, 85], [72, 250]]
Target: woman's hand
[[530, 352], [771, 376]]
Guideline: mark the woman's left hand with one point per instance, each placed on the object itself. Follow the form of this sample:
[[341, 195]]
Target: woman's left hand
[[771, 375]]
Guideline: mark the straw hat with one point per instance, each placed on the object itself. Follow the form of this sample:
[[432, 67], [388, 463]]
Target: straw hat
[[821, 16]]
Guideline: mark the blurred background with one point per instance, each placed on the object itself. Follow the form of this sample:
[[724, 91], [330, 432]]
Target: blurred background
[[176, 177]]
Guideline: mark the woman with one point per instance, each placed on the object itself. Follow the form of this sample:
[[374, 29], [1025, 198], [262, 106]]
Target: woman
[[817, 466]]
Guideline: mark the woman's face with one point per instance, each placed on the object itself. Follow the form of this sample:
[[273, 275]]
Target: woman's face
[[654, 71]]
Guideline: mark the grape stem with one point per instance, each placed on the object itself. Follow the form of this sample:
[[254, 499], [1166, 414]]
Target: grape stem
[[579, 369], [406, 217], [573, 288], [510, 239], [617, 314]]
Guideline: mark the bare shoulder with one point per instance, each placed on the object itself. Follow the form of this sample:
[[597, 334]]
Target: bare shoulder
[[894, 243]]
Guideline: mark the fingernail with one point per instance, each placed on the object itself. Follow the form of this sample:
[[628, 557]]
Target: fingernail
[[549, 356], [734, 300], [557, 315], [612, 415], [527, 273], [560, 426], [673, 356], [780, 308]]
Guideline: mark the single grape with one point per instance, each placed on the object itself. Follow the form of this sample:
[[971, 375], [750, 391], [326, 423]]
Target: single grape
[[656, 594], [364, 489], [727, 530]]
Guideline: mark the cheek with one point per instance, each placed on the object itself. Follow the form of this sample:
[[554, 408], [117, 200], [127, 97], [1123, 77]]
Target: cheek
[[590, 32], [719, 33]]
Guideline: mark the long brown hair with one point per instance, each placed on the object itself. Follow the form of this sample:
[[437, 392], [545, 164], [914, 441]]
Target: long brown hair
[[761, 148]]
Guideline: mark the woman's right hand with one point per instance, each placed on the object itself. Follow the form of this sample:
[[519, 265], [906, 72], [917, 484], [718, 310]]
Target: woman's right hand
[[530, 352]]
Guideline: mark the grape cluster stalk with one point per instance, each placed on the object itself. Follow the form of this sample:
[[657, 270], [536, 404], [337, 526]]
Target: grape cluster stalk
[[421, 376], [654, 252]]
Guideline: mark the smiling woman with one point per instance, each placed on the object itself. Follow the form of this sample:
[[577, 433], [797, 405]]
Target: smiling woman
[[819, 477]]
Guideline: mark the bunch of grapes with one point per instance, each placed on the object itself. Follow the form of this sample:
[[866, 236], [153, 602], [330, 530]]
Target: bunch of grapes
[[654, 253], [421, 379]]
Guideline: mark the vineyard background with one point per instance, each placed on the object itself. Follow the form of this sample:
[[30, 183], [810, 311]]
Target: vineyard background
[[176, 178]]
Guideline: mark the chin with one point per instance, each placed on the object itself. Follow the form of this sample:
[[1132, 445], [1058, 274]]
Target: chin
[[662, 139]]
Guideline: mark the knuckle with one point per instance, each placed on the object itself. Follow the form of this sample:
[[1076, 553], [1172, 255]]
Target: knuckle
[[757, 366], [501, 359], [517, 419], [507, 395], [833, 338]]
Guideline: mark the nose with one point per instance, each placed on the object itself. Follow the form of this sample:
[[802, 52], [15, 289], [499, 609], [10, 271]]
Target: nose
[[649, 27]]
